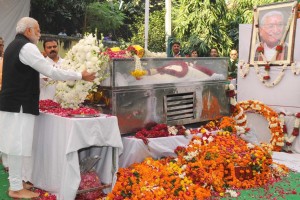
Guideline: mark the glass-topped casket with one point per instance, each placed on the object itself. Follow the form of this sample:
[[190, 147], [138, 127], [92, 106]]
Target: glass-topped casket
[[174, 91]]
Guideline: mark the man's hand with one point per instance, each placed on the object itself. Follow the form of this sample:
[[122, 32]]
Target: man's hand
[[88, 76]]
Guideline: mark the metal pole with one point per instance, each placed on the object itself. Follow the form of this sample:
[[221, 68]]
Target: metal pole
[[168, 29], [146, 23]]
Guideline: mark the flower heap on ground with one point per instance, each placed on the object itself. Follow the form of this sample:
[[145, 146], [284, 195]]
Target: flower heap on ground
[[239, 110], [84, 55], [265, 78], [211, 165], [161, 130]]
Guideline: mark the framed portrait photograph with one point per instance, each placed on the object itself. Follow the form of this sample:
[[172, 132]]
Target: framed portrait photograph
[[273, 34]]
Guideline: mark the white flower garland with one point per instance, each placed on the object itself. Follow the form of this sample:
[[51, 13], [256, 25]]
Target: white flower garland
[[240, 118], [84, 55], [244, 68], [290, 139], [265, 82], [294, 70]]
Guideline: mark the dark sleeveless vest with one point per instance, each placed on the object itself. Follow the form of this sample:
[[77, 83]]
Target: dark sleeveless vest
[[20, 83]]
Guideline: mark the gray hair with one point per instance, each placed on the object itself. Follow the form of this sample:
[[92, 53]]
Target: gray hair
[[24, 23], [270, 14]]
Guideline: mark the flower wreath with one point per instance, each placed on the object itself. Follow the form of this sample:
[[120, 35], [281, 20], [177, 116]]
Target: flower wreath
[[239, 110], [277, 140]]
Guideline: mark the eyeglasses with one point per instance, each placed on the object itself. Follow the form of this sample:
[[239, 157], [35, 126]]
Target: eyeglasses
[[271, 26]]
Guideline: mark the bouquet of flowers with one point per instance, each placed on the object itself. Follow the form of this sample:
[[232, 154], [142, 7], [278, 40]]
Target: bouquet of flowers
[[85, 54]]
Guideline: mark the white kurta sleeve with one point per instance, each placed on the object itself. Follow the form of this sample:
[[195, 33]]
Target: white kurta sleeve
[[30, 55]]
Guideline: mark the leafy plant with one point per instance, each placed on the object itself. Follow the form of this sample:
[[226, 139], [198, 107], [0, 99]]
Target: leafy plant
[[156, 38], [103, 16]]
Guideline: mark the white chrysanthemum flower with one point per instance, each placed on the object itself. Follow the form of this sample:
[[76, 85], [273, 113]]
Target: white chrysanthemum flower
[[83, 55]]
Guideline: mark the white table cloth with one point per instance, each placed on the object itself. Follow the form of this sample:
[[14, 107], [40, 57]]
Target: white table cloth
[[135, 150], [55, 157]]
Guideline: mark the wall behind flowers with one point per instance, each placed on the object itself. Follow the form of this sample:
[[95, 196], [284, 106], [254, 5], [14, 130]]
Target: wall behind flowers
[[283, 97]]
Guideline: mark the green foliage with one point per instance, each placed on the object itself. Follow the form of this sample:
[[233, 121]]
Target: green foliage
[[156, 34], [103, 16], [54, 15], [211, 24]]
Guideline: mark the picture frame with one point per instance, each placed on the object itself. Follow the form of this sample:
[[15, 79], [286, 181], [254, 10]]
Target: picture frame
[[273, 34]]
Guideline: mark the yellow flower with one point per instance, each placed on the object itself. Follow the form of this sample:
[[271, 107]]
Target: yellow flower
[[137, 73], [140, 50]]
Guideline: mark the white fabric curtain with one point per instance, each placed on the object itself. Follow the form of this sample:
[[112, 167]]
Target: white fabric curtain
[[10, 13]]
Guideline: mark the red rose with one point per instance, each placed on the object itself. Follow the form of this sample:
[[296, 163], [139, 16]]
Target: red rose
[[279, 48], [288, 144], [297, 115], [132, 50], [295, 132], [230, 93], [266, 77], [284, 129], [267, 67], [260, 49]]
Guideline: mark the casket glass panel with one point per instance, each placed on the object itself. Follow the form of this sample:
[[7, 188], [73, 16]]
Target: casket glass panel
[[166, 70]]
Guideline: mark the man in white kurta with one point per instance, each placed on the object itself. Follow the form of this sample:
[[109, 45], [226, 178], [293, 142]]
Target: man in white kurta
[[47, 85], [19, 98]]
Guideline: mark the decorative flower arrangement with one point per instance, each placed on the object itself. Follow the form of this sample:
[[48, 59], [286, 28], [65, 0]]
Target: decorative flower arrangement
[[277, 140], [138, 71], [211, 165], [85, 54], [116, 52], [244, 68], [295, 133], [238, 113], [264, 78], [136, 50]]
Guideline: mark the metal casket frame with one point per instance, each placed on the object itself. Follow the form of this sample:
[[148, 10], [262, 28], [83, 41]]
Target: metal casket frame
[[172, 101]]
